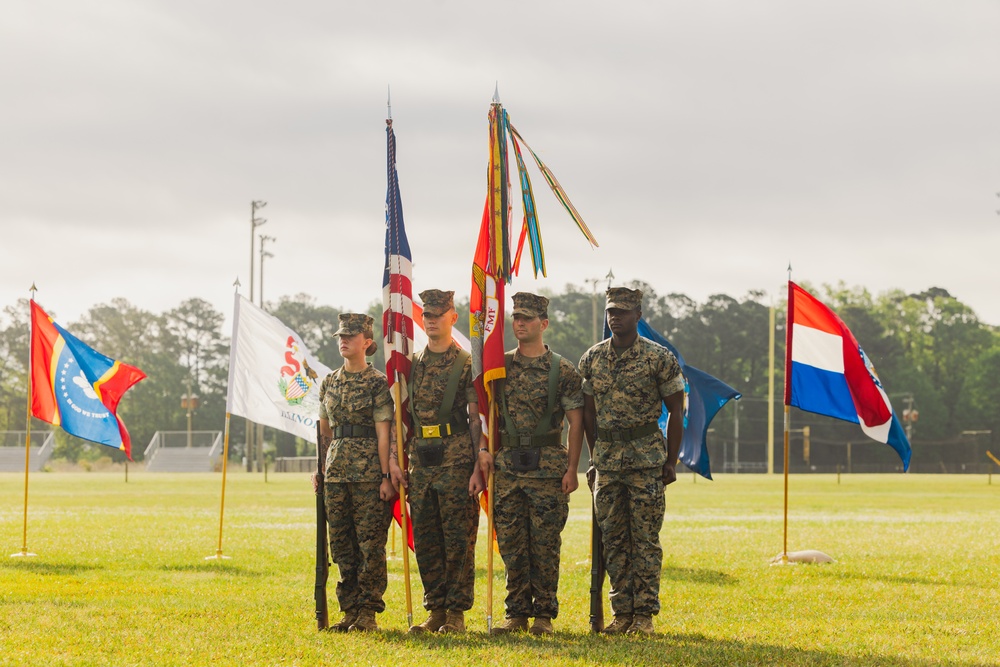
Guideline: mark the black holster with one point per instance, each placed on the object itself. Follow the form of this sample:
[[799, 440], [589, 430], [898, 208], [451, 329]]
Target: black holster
[[525, 460], [430, 454]]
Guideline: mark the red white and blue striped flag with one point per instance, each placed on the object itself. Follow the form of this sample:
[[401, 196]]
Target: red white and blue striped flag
[[397, 288], [827, 372]]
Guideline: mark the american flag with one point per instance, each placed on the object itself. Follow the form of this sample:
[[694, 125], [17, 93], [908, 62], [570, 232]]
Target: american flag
[[397, 288]]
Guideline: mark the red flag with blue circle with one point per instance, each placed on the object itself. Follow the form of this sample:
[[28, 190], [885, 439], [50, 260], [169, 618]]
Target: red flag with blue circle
[[75, 387]]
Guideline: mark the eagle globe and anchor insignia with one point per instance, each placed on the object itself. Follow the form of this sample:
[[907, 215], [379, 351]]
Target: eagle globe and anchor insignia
[[297, 377]]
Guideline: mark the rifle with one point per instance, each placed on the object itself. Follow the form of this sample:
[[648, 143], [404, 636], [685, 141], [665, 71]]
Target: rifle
[[596, 565], [322, 558]]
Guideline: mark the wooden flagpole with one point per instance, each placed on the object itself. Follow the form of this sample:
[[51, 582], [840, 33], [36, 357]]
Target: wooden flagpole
[[784, 541], [27, 439], [404, 518], [225, 439], [222, 508], [489, 518]]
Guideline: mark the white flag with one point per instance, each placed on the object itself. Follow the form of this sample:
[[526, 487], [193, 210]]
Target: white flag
[[273, 379]]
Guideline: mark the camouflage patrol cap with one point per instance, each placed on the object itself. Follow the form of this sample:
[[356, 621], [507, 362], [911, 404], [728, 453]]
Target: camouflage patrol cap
[[530, 305], [624, 298], [436, 302], [352, 324]]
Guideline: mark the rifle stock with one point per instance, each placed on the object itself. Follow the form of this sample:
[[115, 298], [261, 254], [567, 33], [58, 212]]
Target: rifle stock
[[596, 557], [322, 557], [596, 574]]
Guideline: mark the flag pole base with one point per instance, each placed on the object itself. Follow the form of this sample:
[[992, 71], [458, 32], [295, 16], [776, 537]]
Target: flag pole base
[[218, 556], [409, 620], [23, 554], [796, 557], [489, 625]]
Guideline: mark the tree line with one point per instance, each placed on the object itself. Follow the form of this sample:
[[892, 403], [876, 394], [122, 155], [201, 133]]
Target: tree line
[[939, 363]]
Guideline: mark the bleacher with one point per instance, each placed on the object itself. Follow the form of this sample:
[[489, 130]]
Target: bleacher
[[181, 451], [12, 450]]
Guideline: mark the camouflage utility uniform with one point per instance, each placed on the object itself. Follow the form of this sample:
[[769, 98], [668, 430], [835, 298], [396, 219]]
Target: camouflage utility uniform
[[445, 518], [628, 387], [358, 518], [530, 508]]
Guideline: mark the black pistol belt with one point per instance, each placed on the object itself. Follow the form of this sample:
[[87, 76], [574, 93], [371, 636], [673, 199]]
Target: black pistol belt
[[626, 434], [528, 441], [354, 431]]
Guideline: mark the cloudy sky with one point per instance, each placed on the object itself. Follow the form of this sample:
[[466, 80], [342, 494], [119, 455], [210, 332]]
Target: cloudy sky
[[707, 143]]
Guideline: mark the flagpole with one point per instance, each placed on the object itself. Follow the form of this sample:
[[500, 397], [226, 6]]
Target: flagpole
[[489, 519], [27, 439], [225, 438], [784, 539], [222, 508], [404, 519]]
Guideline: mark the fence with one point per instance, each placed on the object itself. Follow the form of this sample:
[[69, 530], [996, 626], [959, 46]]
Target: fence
[[295, 464]]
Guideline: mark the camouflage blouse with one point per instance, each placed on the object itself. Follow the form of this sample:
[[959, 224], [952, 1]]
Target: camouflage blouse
[[628, 391], [358, 399], [526, 389], [428, 383]]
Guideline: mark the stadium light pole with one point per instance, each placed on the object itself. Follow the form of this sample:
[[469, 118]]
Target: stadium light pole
[[264, 238], [264, 254], [255, 222], [593, 307]]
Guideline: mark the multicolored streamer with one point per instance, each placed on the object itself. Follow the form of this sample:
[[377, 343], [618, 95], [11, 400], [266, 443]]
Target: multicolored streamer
[[557, 189]]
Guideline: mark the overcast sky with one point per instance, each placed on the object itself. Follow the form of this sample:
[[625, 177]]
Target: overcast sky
[[706, 143]]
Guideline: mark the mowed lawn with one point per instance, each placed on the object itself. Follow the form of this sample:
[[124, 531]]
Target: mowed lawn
[[120, 577]]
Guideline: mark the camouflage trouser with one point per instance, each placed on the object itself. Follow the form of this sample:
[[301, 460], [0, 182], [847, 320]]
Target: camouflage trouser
[[529, 515], [630, 507], [359, 526], [445, 525]]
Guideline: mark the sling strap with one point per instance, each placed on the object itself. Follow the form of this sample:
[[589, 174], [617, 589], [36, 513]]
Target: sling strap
[[445, 425], [544, 434]]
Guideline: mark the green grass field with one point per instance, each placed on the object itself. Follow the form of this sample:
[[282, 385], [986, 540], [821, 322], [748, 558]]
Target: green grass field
[[120, 577]]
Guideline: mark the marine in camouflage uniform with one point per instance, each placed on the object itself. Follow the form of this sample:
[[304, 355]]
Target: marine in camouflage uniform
[[351, 405], [626, 380], [445, 515], [534, 471]]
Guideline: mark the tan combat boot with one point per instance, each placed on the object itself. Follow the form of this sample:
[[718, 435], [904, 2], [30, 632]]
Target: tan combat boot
[[621, 623], [365, 621], [541, 626], [511, 624], [455, 622], [433, 623], [641, 625], [345, 623]]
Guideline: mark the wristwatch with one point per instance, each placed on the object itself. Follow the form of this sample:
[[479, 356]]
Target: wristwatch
[[386, 475]]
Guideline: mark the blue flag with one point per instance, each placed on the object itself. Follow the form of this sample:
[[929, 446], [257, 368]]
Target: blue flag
[[704, 396]]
